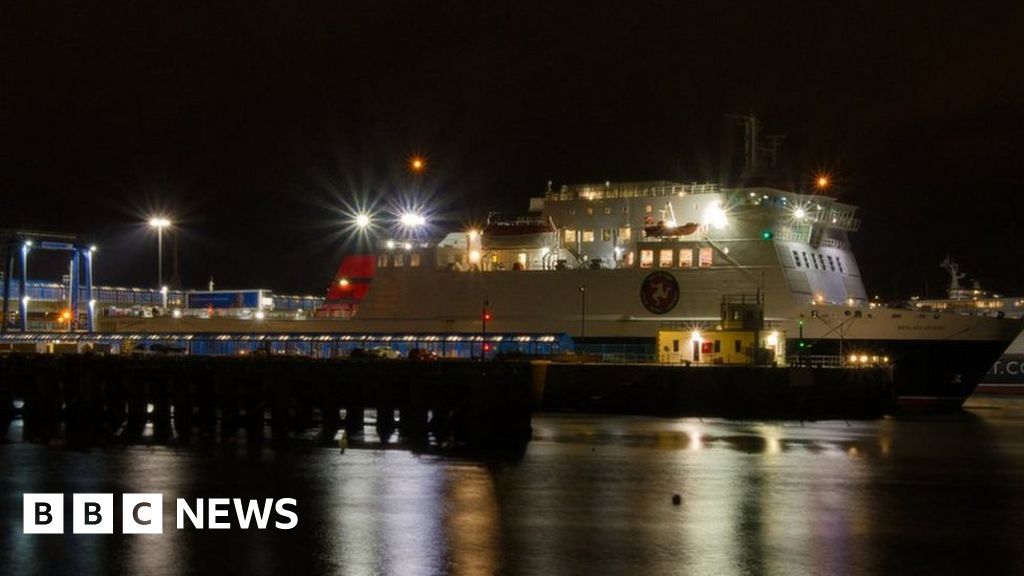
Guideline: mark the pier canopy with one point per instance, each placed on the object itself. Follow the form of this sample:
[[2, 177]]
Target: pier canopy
[[301, 344]]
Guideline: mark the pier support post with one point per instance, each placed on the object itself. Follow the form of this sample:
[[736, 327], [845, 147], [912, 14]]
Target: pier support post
[[135, 391], [160, 396], [181, 399]]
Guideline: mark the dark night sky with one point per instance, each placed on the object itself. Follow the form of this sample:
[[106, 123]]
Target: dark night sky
[[254, 123]]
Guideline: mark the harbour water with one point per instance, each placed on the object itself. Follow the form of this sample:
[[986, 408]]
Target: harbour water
[[939, 494]]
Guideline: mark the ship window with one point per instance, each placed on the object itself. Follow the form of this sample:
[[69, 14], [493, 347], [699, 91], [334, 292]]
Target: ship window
[[625, 209], [590, 211], [648, 209], [606, 234], [718, 346], [414, 260], [570, 236], [840, 263], [607, 210], [399, 260], [588, 235], [665, 258], [521, 260], [822, 260], [705, 257], [796, 258], [814, 260], [738, 345], [629, 258], [831, 264], [625, 233], [572, 211], [675, 345], [646, 258], [686, 258], [806, 263], [382, 261]]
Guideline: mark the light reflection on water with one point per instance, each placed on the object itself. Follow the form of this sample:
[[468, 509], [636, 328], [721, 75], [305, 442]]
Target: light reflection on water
[[942, 494]]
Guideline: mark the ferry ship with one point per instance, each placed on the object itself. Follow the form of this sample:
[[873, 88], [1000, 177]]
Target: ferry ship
[[643, 270], [1007, 374]]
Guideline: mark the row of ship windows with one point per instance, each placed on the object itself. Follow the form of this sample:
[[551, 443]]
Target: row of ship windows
[[817, 261], [397, 260], [606, 235], [589, 210], [705, 258]]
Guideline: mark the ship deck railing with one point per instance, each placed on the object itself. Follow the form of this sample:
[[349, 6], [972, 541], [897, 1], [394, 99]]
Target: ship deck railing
[[630, 190]]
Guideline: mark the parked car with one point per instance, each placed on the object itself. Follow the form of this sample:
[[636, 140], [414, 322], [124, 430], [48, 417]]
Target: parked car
[[369, 353], [422, 354]]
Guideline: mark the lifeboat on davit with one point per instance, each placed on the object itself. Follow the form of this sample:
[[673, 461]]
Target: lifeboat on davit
[[662, 230]]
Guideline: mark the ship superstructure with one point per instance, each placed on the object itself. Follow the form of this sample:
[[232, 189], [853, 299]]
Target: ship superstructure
[[794, 248]]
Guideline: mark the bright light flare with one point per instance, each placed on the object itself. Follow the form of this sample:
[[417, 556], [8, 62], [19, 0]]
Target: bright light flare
[[799, 213], [362, 221], [159, 222], [715, 217], [417, 164], [822, 181], [412, 220]]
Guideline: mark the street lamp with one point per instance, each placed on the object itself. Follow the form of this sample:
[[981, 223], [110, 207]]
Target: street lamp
[[583, 312], [823, 181], [159, 222]]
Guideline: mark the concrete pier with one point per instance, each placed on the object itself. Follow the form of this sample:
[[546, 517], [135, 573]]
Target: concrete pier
[[720, 391]]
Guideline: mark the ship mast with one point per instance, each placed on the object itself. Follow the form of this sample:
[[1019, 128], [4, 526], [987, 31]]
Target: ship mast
[[752, 147], [954, 276]]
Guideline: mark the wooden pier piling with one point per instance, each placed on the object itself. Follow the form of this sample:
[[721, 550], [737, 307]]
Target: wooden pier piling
[[97, 398]]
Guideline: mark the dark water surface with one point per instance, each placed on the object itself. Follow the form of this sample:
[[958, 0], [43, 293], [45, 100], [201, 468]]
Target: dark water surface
[[591, 495]]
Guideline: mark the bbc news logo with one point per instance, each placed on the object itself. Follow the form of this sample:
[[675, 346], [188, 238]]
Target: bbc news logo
[[143, 514]]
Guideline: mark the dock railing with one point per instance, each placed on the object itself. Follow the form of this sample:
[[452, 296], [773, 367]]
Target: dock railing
[[816, 360]]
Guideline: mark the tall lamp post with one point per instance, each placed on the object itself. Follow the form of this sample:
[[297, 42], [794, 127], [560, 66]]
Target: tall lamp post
[[159, 222], [583, 312]]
